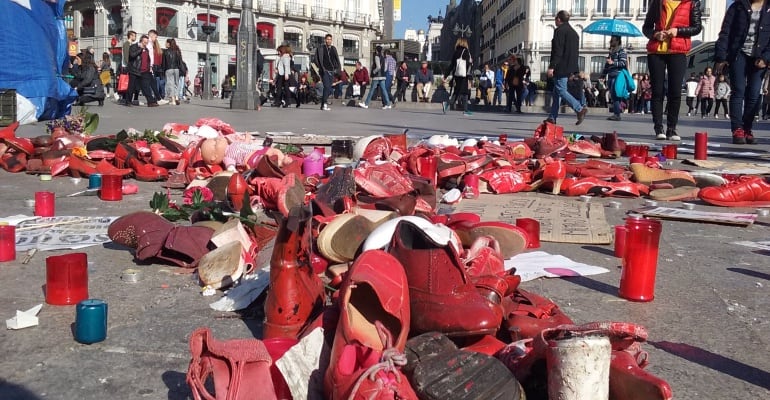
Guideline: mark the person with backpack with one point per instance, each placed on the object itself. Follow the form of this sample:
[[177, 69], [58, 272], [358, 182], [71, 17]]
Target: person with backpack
[[458, 72], [378, 80], [617, 61]]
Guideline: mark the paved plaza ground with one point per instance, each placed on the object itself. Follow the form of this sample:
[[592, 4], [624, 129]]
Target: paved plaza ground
[[709, 323]]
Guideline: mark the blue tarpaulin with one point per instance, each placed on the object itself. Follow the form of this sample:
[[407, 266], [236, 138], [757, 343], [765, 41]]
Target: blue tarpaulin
[[34, 42]]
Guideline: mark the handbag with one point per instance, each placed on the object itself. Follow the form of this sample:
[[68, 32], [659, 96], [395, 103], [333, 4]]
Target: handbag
[[356, 90], [105, 77], [123, 83], [461, 69]]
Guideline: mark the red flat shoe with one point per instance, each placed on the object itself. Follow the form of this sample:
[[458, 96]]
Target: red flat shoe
[[162, 157], [128, 156], [746, 191]]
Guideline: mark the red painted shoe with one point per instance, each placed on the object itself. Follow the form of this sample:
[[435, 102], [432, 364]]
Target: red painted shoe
[[555, 172], [279, 194], [13, 162], [295, 296], [236, 191], [9, 131], [442, 296], [368, 348], [127, 156], [527, 314], [163, 157], [747, 191], [82, 167]]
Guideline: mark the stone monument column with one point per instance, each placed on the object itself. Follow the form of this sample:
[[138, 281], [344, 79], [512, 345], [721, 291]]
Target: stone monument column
[[245, 96]]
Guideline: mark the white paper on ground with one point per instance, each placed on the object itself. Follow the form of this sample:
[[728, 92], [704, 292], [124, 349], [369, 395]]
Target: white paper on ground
[[538, 264], [300, 367], [16, 219], [24, 319], [250, 287]]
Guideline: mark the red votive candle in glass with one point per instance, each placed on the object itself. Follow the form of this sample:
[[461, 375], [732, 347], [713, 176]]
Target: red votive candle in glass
[[112, 188], [45, 204], [66, 279], [620, 240], [7, 242], [640, 260], [670, 151]]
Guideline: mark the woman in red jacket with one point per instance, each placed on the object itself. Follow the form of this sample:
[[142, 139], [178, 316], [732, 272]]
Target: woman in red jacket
[[669, 25]]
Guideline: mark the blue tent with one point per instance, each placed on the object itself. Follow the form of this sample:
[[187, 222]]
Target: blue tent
[[35, 48]]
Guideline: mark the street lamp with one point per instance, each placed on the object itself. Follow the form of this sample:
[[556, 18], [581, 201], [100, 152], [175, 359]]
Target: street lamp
[[207, 29], [462, 31]]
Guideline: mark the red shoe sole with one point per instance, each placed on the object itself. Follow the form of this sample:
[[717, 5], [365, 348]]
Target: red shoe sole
[[737, 203]]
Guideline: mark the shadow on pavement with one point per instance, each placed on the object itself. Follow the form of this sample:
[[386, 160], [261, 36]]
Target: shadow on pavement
[[736, 369], [600, 250], [750, 272], [177, 386], [11, 391], [592, 284]]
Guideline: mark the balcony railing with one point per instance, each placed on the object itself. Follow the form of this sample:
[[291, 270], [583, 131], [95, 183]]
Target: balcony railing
[[295, 9], [322, 13], [579, 12], [624, 12], [354, 18], [549, 12], [270, 6], [601, 13]]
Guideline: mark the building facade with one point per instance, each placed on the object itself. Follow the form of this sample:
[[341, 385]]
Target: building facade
[[526, 28], [299, 23], [432, 46]]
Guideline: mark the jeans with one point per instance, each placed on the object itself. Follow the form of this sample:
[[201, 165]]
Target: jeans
[[498, 99], [326, 77], [675, 65], [560, 92], [375, 84], [146, 81], [182, 86], [746, 84], [615, 101]]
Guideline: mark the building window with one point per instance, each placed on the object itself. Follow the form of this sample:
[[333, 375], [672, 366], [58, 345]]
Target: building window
[[165, 22], [115, 21], [597, 64], [581, 63], [350, 48], [579, 8], [550, 7], [544, 61], [316, 41], [266, 35], [211, 21], [232, 30], [601, 8], [624, 7], [87, 23], [641, 65], [294, 40]]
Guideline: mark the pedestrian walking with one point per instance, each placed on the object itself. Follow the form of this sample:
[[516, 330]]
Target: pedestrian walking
[[706, 92], [378, 80], [515, 81], [669, 25], [172, 62], [486, 80], [564, 63], [743, 48], [499, 83], [328, 61], [141, 67], [722, 94], [459, 69], [616, 62], [691, 87]]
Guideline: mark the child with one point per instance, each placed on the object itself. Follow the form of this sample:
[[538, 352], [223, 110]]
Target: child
[[692, 86], [722, 93]]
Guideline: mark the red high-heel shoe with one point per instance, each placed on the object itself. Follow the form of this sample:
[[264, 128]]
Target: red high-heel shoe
[[163, 157], [554, 171], [83, 168], [128, 156]]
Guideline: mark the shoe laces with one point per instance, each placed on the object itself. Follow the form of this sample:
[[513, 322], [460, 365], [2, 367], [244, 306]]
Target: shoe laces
[[390, 360]]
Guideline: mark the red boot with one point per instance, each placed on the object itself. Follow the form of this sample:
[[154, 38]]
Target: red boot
[[279, 194], [295, 295], [442, 296]]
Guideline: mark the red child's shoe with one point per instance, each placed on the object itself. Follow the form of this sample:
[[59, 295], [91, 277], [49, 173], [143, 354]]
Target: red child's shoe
[[747, 191]]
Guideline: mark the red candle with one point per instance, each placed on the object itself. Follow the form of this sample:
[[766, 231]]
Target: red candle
[[45, 204], [66, 279], [670, 151], [620, 240], [640, 260], [112, 188], [701, 145], [7, 242], [471, 189]]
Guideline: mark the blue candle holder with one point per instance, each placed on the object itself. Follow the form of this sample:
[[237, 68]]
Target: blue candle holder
[[91, 321]]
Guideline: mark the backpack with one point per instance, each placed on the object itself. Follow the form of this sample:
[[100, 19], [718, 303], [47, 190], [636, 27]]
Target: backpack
[[461, 69]]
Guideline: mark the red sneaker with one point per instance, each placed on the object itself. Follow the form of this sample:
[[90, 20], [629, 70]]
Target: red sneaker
[[746, 191], [739, 136]]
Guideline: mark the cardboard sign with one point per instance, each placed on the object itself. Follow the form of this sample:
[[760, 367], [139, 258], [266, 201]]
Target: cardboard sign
[[562, 219]]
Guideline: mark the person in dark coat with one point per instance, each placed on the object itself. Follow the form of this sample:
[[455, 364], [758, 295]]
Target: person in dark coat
[[564, 62], [459, 70], [89, 85], [743, 48], [140, 66], [328, 62]]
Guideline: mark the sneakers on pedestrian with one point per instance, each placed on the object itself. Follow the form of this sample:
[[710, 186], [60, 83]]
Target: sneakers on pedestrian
[[660, 136], [739, 136], [387, 107], [162, 102], [689, 114], [750, 138], [363, 105], [325, 107], [671, 135], [613, 118]]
